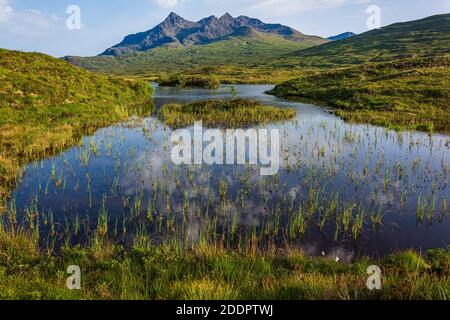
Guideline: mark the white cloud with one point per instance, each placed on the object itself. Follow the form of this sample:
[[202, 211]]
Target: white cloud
[[25, 22], [166, 4], [5, 10]]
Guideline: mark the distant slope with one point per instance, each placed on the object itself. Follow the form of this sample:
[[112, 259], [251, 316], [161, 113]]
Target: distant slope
[[342, 36], [420, 38], [176, 31], [246, 49], [412, 94], [45, 103]]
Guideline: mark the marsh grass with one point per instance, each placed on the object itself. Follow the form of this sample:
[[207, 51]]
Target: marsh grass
[[47, 105], [146, 271], [229, 113], [407, 94], [183, 81], [164, 236]]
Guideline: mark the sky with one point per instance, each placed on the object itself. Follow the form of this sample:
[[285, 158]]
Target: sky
[[56, 27]]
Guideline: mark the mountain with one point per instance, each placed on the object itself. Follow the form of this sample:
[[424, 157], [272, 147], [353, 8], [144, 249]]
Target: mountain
[[420, 38], [261, 53], [234, 49], [176, 31], [342, 36], [239, 58]]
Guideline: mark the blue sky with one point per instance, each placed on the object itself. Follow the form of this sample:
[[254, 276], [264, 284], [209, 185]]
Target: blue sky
[[32, 25]]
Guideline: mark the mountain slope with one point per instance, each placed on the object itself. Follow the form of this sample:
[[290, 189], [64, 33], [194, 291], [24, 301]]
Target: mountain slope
[[419, 38], [240, 57], [176, 31], [342, 36]]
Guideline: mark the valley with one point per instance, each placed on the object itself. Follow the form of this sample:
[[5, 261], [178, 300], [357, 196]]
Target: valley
[[87, 176]]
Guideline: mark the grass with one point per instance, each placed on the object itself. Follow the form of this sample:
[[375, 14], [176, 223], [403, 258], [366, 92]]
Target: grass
[[232, 60], [46, 105], [160, 272], [409, 94], [223, 112], [269, 59], [182, 81], [423, 38]]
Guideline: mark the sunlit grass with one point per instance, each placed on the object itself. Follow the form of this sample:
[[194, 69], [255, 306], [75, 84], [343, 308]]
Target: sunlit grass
[[409, 94], [226, 113]]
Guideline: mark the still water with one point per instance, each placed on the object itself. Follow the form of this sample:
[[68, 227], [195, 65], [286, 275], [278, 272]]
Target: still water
[[342, 190]]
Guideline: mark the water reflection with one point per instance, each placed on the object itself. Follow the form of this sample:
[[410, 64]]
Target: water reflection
[[342, 189]]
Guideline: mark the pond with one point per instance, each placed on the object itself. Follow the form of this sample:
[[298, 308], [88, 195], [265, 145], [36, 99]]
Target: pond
[[343, 190]]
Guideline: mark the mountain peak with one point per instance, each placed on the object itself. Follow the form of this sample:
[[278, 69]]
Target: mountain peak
[[173, 15], [226, 16], [176, 31], [174, 18], [208, 19]]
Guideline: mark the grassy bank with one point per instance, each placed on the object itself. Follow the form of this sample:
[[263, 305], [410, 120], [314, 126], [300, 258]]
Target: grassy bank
[[410, 94], [159, 272], [46, 105], [182, 81], [223, 112]]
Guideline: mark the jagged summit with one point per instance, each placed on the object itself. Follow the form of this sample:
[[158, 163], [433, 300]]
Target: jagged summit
[[176, 31], [226, 17]]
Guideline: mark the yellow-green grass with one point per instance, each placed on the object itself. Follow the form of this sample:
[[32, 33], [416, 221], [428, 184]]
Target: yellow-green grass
[[238, 59], [147, 271], [410, 94], [46, 105], [428, 37], [227, 113]]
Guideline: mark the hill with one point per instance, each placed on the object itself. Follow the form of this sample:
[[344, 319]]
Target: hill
[[252, 55], [342, 36], [176, 31], [409, 94], [46, 103], [234, 49], [241, 57], [420, 38]]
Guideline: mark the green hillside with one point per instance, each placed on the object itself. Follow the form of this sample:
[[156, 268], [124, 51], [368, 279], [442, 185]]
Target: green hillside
[[234, 59], [411, 94], [46, 103], [262, 58], [420, 38]]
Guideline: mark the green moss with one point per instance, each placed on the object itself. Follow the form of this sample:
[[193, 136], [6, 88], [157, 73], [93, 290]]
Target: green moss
[[223, 113]]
